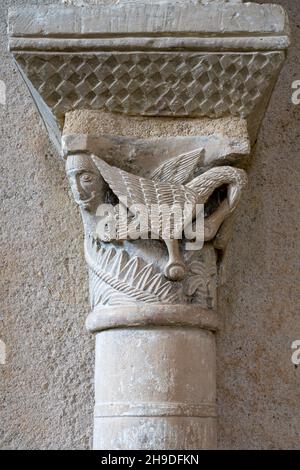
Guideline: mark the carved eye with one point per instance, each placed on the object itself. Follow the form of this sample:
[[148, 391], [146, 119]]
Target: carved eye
[[86, 178]]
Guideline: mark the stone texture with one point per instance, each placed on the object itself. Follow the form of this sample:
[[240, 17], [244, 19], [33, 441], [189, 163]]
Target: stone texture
[[46, 386], [84, 33], [258, 386], [258, 405], [101, 123], [139, 17]]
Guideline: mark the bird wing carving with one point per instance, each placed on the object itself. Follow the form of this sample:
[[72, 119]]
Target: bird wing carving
[[180, 169], [123, 184], [144, 191], [158, 198]]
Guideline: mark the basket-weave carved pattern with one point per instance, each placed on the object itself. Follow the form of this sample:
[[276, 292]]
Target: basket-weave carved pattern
[[174, 84]]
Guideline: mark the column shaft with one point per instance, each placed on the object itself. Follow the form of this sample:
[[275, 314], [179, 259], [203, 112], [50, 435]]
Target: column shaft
[[155, 389]]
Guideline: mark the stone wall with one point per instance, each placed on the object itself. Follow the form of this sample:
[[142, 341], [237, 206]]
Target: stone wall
[[46, 385]]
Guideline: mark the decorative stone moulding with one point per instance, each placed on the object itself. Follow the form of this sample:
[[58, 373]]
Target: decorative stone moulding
[[152, 104]]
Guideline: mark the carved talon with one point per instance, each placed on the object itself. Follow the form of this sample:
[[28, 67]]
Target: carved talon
[[175, 271], [175, 268]]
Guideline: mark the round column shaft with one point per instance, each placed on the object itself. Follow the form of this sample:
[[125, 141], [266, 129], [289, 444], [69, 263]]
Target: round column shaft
[[155, 388]]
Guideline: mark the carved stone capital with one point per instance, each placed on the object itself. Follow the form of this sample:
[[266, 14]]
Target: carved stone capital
[[154, 106], [151, 265]]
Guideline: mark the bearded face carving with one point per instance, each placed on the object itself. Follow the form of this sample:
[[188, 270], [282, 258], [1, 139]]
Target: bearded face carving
[[87, 185]]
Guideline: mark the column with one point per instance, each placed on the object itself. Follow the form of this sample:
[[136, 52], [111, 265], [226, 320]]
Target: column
[[153, 105]]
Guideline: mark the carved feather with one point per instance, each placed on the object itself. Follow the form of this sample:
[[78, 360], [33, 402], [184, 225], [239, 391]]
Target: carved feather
[[133, 190], [140, 190], [180, 169], [205, 184]]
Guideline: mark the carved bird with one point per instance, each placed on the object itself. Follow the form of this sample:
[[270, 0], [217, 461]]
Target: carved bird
[[151, 192]]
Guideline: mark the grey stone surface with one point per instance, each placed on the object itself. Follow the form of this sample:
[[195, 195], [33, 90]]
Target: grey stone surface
[[167, 401], [143, 17], [46, 384]]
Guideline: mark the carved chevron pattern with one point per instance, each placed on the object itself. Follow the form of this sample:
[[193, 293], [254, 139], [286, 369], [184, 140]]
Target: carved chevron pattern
[[170, 84], [116, 278]]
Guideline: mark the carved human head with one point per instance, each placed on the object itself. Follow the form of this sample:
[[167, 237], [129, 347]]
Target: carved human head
[[87, 184]]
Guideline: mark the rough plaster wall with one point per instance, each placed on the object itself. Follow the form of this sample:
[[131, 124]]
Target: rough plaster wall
[[47, 384], [258, 386]]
